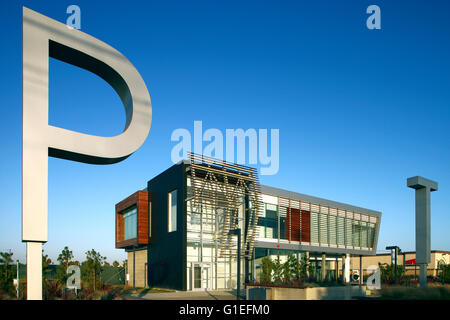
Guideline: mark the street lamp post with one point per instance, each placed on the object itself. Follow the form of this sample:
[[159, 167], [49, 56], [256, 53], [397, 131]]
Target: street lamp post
[[395, 250], [423, 188], [237, 232], [18, 280]]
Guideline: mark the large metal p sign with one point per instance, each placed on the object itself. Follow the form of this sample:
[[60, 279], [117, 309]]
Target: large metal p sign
[[44, 38]]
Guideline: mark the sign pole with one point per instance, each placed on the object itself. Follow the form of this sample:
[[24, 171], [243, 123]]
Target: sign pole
[[423, 188], [34, 270]]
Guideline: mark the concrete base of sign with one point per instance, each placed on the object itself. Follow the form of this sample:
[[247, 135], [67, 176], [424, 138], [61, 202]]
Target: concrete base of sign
[[34, 271]]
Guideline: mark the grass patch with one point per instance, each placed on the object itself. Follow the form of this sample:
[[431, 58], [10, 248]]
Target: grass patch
[[432, 292]]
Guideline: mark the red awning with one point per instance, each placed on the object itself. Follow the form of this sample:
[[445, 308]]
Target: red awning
[[411, 261]]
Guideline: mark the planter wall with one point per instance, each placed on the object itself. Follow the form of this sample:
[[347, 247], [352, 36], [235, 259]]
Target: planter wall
[[319, 293]]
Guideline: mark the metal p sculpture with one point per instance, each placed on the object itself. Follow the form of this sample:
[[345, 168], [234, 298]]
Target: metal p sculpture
[[43, 38]]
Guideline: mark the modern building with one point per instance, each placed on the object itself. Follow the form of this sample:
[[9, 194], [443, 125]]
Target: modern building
[[177, 230], [407, 258]]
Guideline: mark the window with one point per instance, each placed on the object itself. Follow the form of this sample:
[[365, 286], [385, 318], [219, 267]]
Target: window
[[130, 222], [172, 212], [341, 231], [323, 228], [314, 227], [356, 230], [269, 223]]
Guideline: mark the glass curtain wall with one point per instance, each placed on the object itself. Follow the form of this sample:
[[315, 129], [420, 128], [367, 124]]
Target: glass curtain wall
[[328, 226], [205, 268]]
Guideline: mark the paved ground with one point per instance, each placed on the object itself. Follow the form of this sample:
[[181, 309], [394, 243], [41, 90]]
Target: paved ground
[[183, 295]]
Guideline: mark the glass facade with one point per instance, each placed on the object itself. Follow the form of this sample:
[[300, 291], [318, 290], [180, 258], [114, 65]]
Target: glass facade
[[205, 268], [318, 225], [280, 221], [268, 223], [130, 223]]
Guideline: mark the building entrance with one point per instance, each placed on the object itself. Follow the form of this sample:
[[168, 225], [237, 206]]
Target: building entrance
[[201, 276]]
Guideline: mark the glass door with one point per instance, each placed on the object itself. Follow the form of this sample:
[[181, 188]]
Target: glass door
[[197, 277], [200, 276], [205, 277]]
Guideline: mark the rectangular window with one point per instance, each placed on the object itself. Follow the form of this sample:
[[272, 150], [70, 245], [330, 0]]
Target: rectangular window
[[130, 223], [356, 230], [341, 230], [364, 235], [323, 228], [172, 212], [332, 229], [269, 222], [348, 232], [314, 227]]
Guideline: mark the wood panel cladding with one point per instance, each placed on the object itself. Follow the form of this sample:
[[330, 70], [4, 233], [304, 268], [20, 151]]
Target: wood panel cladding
[[306, 226], [140, 199], [297, 227], [294, 218]]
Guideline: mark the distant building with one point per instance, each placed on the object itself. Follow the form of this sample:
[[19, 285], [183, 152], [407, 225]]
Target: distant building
[[403, 258], [176, 231]]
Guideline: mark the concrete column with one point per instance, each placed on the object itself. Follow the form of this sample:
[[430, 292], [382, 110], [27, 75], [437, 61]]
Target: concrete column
[[134, 268], [324, 266], [336, 268], [361, 270], [343, 270], [423, 275], [34, 271], [423, 189], [347, 268]]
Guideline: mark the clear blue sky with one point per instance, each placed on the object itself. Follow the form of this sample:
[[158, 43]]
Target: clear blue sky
[[358, 110]]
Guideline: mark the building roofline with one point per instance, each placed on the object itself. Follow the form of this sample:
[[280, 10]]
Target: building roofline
[[413, 252], [303, 197]]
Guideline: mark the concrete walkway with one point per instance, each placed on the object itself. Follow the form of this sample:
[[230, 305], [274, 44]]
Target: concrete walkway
[[183, 295]]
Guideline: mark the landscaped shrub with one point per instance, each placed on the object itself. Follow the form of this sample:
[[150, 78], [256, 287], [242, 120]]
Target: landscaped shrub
[[277, 271], [266, 276], [287, 273], [444, 272], [388, 273]]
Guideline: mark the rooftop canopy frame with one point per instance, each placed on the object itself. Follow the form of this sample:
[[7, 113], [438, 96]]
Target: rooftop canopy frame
[[221, 186]]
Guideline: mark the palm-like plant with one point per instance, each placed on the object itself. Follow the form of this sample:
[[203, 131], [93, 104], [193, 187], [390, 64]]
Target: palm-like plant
[[5, 260], [65, 260], [267, 266], [444, 275], [388, 272], [46, 262], [93, 267], [277, 270], [5, 277]]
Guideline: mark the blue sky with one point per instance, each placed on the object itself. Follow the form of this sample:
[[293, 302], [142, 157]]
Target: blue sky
[[358, 110]]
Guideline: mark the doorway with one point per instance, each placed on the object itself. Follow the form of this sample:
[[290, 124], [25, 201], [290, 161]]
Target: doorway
[[201, 276]]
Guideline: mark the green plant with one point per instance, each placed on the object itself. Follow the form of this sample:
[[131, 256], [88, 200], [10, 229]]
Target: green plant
[[311, 271], [267, 266], [444, 274], [301, 268], [46, 261], [92, 268], [294, 268], [65, 260], [6, 278], [286, 271], [277, 271], [388, 273]]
